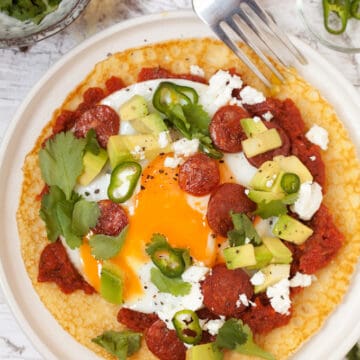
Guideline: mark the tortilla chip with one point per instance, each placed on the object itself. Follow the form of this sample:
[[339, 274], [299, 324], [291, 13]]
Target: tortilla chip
[[87, 316]]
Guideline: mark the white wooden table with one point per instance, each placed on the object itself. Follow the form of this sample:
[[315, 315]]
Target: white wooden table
[[19, 71]]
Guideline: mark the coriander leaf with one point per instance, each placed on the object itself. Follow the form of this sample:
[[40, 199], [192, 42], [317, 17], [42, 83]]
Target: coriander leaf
[[84, 217], [198, 118], [48, 212], [290, 198], [249, 347], [231, 334], [64, 210], [273, 208], [120, 344], [354, 353], [243, 229], [92, 144], [104, 247], [157, 240], [61, 161], [174, 286]]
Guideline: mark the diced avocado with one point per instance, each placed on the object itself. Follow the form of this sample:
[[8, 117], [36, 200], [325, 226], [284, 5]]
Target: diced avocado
[[266, 176], [292, 230], [263, 257], [273, 274], [280, 252], [111, 283], [252, 127], [144, 146], [204, 352], [264, 196], [117, 151], [152, 123], [292, 164], [92, 165], [135, 107], [261, 143], [239, 256]]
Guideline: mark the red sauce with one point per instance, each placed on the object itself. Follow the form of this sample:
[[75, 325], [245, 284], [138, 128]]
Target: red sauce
[[55, 266], [114, 84], [161, 73]]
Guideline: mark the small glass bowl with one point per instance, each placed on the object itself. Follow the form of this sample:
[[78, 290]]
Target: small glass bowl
[[16, 33], [311, 12]]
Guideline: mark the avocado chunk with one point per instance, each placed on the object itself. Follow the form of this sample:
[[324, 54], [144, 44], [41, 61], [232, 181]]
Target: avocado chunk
[[273, 273], [239, 256], [152, 123], [135, 107], [266, 176], [252, 127], [111, 283], [204, 352], [263, 257], [117, 151], [264, 196], [292, 164], [92, 165], [280, 252], [261, 143], [292, 230]]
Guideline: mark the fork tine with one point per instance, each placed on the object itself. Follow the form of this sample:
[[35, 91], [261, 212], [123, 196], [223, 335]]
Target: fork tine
[[237, 21], [279, 34], [261, 36], [235, 48]]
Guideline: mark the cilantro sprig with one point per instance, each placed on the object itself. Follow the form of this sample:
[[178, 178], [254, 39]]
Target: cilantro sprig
[[174, 286], [237, 336], [243, 229], [120, 344]]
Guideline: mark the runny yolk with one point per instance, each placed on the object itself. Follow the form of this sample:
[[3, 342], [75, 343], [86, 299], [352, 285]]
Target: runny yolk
[[160, 207]]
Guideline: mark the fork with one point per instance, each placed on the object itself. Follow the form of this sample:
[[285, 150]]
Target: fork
[[246, 20]]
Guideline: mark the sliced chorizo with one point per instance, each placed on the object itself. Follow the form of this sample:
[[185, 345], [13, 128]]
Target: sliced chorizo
[[103, 119], [55, 266], [225, 128], [199, 175], [135, 320], [225, 198], [112, 219], [65, 121], [284, 149], [222, 288], [164, 343]]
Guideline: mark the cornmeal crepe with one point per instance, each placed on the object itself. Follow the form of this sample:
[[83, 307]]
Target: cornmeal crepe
[[87, 316]]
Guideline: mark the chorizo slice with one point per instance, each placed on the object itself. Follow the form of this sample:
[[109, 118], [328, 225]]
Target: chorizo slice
[[112, 219], [225, 128], [164, 343], [135, 320], [55, 266], [103, 119], [284, 149], [199, 175], [222, 288], [225, 198]]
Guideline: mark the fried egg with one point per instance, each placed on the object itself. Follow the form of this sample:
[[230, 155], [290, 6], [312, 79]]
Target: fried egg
[[158, 205]]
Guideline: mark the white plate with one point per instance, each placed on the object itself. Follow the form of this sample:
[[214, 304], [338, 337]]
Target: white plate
[[339, 332]]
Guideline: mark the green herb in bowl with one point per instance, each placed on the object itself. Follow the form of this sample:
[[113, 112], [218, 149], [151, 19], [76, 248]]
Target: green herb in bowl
[[33, 10]]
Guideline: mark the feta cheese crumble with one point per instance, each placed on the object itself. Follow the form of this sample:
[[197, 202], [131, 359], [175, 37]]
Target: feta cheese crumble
[[197, 70], [251, 96], [219, 92], [309, 200], [258, 278], [302, 280], [319, 136], [138, 151], [213, 326], [163, 139], [267, 116], [172, 162], [185, 147], [279, 295]]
